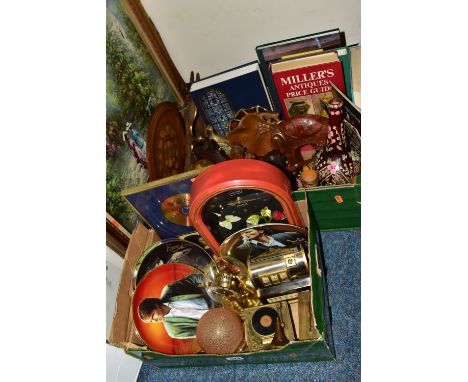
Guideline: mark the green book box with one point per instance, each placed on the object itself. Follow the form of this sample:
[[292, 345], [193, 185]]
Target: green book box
[[335, 208]]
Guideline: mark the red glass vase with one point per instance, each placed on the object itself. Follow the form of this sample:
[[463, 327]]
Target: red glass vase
[[335, 165]]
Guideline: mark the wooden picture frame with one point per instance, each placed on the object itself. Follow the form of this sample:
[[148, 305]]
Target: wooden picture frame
[[152, 39], [117, 237]]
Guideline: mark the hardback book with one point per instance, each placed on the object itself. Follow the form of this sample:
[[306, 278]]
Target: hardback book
[[306, 89], [332, 38], [342, 53], [298, 46], [220, 96], [298, 61], [355, 53], [352, 112]]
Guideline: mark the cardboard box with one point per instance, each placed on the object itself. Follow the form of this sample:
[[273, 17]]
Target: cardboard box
[[319, 349], [122, 333]]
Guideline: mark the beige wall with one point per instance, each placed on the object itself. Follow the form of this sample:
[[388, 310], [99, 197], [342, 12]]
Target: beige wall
[[209, 36]]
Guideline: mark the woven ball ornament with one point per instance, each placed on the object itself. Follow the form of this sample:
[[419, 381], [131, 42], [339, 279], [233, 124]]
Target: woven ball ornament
[[220, 331]]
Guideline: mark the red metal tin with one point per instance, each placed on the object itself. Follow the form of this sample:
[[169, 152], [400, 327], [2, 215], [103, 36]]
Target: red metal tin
[[238, 193]]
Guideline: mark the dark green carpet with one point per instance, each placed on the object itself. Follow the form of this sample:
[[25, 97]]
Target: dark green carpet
[[342, 252]]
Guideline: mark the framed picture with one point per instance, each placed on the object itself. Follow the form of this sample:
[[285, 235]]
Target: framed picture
[[156, 48], [140, 75], [117, 237], [164, 204]]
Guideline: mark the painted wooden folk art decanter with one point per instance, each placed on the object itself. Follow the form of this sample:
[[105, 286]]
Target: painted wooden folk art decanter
[[335, 165]]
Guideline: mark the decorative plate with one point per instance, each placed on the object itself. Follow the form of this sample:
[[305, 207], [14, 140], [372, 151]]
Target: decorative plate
[[165, 143]]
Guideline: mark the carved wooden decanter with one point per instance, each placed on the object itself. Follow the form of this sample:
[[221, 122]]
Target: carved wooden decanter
[[335, 165]]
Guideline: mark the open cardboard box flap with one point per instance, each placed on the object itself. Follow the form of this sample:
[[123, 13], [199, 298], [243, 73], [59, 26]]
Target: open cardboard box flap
[[123, 328]]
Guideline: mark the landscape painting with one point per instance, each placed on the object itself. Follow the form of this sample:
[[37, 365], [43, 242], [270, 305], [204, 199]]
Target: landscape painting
[[134, 87]]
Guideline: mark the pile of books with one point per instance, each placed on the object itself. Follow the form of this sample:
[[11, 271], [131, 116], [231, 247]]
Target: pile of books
[[292, 77]]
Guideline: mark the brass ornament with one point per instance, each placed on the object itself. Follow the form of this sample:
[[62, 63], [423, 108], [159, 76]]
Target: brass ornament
[[227, 282], [260, 326]]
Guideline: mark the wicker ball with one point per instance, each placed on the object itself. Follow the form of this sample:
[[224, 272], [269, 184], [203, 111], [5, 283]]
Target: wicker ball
[[220, 331]]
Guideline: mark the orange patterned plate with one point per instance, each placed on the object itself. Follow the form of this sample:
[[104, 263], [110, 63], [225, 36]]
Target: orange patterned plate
[[154, 333]]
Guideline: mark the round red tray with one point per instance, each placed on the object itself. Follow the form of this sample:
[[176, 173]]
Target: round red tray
[[239, 181]]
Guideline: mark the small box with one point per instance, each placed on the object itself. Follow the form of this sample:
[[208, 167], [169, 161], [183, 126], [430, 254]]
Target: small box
[[335, 208]]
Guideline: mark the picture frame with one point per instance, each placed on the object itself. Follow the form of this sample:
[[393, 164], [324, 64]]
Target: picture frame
[[127, 126], [117, 237], [152, 39], [163, 204]]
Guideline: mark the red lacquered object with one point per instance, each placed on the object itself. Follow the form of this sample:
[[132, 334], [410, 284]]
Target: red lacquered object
[[236, 194]]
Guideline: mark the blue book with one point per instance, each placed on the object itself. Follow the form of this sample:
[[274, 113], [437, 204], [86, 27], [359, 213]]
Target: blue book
[[219, 97]]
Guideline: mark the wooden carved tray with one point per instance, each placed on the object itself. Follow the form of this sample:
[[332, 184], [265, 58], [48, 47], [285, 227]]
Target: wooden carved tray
[[165, 143]]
